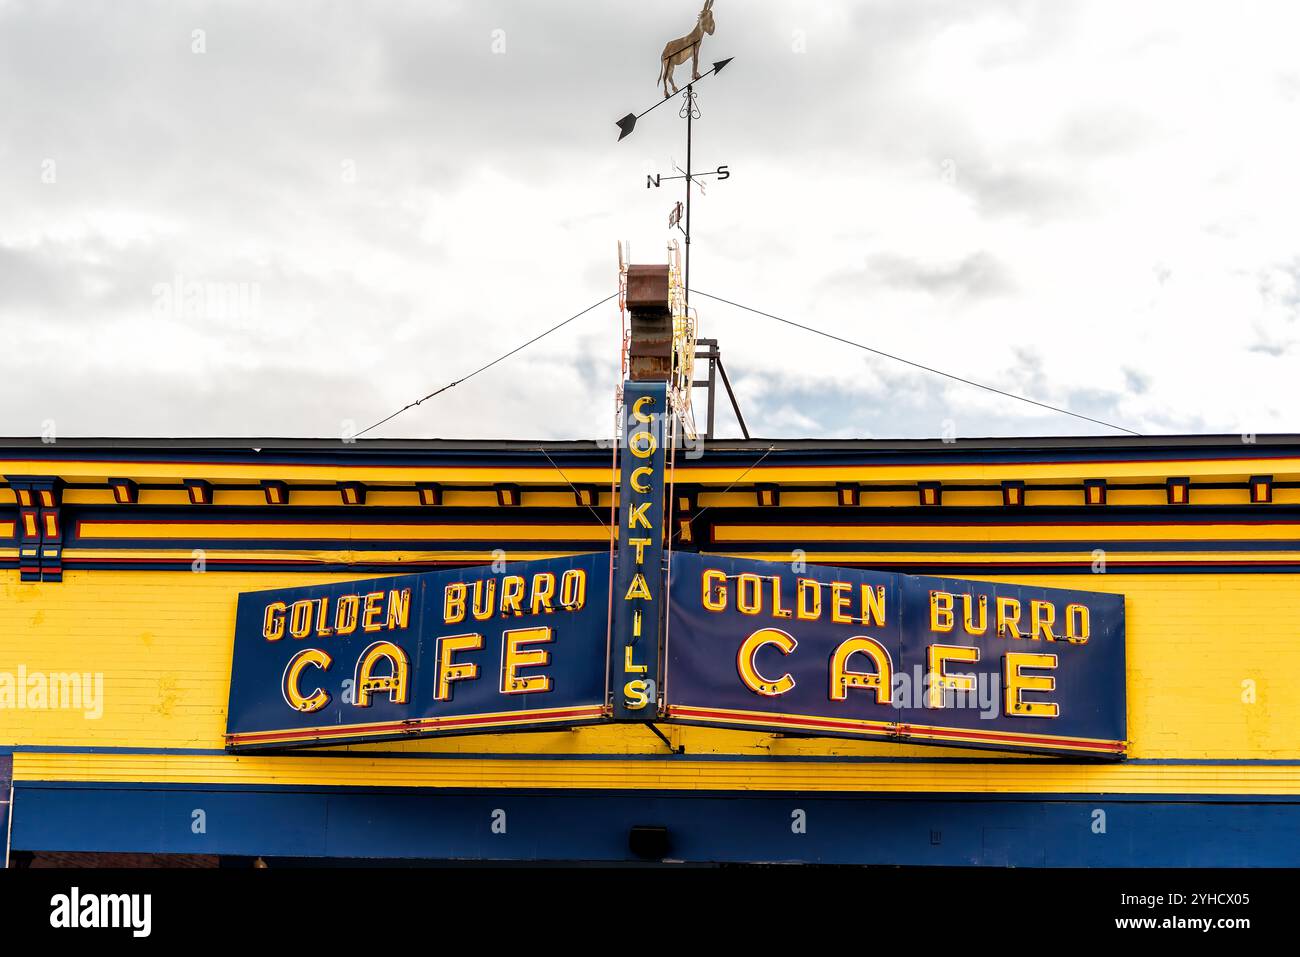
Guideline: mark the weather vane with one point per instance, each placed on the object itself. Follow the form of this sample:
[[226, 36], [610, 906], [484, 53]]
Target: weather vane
[[676, 53], [683, 48]]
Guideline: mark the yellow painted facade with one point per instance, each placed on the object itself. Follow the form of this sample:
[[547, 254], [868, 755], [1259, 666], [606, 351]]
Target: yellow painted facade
[[1208, 657], [1211, 614]]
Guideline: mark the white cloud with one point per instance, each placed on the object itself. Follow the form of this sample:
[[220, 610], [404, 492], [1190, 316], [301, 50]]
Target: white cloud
[[1066, 199]]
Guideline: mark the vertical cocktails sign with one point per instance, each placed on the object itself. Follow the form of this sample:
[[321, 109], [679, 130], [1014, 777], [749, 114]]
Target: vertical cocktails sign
[[639, 576]]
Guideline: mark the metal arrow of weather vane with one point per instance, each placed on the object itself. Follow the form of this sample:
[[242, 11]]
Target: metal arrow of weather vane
[[676, 53]]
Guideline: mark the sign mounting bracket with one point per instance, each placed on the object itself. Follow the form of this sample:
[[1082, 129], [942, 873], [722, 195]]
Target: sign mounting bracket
[[679, 749]]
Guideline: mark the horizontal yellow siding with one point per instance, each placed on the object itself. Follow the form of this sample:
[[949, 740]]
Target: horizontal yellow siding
[[948, 531], [1072, 557], [1197, 644], [239, 472], [431, 531], [317, 556], [676, 774]]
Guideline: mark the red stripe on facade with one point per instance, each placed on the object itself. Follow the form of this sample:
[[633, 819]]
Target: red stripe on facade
[[902, 729], [468, 721]]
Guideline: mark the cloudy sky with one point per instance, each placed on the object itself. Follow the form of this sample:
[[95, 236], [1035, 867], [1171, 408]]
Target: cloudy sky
[[1089, 203]]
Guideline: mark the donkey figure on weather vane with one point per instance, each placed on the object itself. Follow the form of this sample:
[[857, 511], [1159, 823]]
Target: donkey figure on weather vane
[[685, 48]]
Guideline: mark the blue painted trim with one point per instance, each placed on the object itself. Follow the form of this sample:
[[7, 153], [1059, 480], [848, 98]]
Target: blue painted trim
[[967, 547], [911, 515], [1117, 568], [374, 545], [1020, 831], [1086, 449], [919, 568], [719, 794], [916, 568]]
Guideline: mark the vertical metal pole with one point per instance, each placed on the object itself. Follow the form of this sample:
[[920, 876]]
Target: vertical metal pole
[[690, 113], [9, 823], [713, 385], [667, 579]]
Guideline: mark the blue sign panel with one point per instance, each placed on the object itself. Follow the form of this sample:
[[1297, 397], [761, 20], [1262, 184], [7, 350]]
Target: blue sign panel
[[639, 579], [862, 654], [448, 652]]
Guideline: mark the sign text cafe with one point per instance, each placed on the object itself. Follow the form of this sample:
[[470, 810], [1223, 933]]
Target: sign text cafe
[[697, 639]]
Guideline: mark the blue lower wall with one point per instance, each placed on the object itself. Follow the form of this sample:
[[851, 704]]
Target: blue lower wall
[[1001, 830]]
